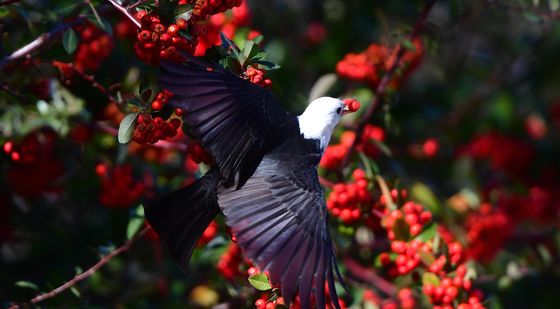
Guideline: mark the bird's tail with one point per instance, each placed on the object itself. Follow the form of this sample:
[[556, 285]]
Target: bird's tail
[[181, 217]]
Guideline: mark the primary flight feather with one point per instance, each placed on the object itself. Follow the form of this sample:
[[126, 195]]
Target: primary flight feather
[[264, 179]]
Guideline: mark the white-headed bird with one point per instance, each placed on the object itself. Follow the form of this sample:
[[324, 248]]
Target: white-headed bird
[[264, 179]]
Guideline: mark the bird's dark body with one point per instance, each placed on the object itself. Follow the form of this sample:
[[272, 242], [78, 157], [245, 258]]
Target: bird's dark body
[[264, 181]]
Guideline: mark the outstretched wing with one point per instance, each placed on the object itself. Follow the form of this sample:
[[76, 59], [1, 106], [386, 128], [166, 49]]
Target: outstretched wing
[[279, 218], [232, 118]]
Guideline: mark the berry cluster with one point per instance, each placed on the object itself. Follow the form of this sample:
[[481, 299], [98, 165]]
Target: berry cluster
[[256, 76], [411, 214], [10, 150], [347, 200], [444, 280], [208, 33], [408, 256], [152, 129], [118, 186], [198, 154], [487, 231], [370, 65], [156, 41], [442, 292], [34, 155], [229, 262], [161, 100], [405, 300], [95, 46], [203, 8], [503, 152], [334, 154], [32, 148]]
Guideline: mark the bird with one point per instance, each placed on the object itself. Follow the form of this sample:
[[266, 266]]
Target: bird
[[264, 178]]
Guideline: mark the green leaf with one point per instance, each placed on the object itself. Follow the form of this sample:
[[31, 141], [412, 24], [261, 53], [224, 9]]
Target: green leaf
[[430, 278], [260, 282], [269, 66], [103, 24], [126, 128], [554, 5], [545, 254], [408, 45], [186, 15], [229, 45], [322, 86], [532, 17], [258, 39], [248, 48], [136, 222], [424, 195], [426, 257], [69, 41], [27, 284], [384, 148], [428, 233], [75, 292], [253, 51], [145, 90]]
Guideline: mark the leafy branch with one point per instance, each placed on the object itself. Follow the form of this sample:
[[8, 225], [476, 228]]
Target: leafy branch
[[104, 260]]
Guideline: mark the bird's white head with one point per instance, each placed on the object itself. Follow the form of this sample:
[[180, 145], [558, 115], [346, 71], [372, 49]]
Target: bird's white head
[[320, 118]]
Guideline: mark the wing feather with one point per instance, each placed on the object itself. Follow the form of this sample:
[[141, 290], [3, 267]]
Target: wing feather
[[231, 117], [281, 224]]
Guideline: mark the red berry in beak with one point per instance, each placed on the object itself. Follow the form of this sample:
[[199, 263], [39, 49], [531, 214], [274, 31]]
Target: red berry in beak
[[352, 104]]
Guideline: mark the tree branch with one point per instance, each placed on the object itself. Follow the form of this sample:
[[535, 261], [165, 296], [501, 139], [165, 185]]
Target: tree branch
[[387, 77], [125, 12], [8, 2], [87, 273], [367, 275]]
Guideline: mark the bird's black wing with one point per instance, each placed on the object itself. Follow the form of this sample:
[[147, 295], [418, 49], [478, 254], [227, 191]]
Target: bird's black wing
[[234, 119], [279, 218]]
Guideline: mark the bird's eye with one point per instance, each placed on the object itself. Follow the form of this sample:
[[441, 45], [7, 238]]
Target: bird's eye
[[339, 110]]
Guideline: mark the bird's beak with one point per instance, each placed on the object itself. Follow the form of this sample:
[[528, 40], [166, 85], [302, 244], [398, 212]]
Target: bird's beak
[[346, 110]]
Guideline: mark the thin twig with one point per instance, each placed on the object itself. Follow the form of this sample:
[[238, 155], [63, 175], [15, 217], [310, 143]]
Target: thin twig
[[387, 78], [87, 273], [125, 12], [137, 3], [94, 12], [367, 275], [7, 2], [325, 182], [38, 42]]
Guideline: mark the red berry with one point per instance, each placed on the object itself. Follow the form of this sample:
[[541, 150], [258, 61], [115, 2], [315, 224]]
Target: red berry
[[252, 271], [159, 28], [165, 38], [8, 147], [173, 30], [15, 156], [260, 303], [398, 246], [156, 105], [181, 24]]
